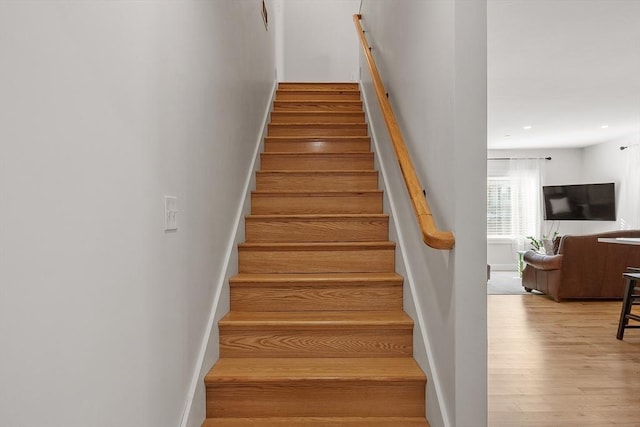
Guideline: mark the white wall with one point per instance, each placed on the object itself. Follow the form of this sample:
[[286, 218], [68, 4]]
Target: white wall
[[597, 163], [606, 163], [105, 108], [318, 40], [432, 57]]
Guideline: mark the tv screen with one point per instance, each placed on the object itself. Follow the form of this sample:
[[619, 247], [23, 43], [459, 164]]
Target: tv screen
[[590, 202]]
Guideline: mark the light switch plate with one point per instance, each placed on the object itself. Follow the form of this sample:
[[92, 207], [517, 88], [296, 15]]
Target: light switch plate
[[170, 213]]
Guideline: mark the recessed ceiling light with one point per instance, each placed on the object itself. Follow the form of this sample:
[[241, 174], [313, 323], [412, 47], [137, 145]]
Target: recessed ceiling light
[[526, 127], [604, 126], [507, 135]]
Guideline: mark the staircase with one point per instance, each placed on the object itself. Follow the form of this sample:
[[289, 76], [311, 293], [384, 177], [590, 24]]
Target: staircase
[[316, 335]]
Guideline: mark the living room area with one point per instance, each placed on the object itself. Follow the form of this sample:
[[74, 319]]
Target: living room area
[[518, 207], [559, 363], [563, 111], [553, 356]]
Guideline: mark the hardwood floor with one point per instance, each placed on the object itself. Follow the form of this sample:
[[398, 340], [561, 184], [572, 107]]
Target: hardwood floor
[[560, 364]]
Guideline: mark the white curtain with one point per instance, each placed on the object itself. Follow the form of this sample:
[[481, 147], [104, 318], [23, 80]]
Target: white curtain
[[526, 174], [629, 206]]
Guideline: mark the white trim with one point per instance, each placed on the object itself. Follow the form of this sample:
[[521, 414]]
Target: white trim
[[500, 240], [409, 279], [220, 283], [504, 267]]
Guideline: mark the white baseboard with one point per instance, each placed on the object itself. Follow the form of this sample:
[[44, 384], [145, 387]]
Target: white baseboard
[[225, 272], [504, 267], [409, 279]]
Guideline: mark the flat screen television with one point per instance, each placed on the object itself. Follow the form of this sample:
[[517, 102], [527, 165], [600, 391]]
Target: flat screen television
[[589, 202]]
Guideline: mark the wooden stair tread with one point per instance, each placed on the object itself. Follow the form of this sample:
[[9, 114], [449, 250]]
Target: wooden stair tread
[[318, 124], [319, 89], [317, 180], [322, 113], [317, 92], [321, 155], [318, 138], [250, 279], [317, 422], [315, 153], [321, 319], [316, 292], [318, 129], [318, 105], [317, 216], [328, 144], [315, 193], [336, 227], [319, 172], [328, 101], [318, 84], [233, 370], [316, 246], [287, 103], [328, 114], [338, 86], [270, 201], [320, 194]]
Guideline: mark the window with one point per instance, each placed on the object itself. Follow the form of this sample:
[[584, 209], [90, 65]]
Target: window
[[498, 207], [513, 199]]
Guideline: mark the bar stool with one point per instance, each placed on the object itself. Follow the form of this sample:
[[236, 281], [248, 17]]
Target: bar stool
[[631, 298]]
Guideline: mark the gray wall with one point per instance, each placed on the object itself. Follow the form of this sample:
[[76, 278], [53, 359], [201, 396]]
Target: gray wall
[[603, 162], [565, 167], [316, 40], [432, 57], [105, 107]]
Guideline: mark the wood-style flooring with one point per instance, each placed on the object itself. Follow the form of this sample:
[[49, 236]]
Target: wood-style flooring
[[560, 364]]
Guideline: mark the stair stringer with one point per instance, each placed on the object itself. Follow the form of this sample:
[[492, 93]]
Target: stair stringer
[[193, 415], [438, 413]]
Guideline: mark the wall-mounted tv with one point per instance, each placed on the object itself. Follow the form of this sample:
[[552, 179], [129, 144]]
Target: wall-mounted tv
[[590, 202]]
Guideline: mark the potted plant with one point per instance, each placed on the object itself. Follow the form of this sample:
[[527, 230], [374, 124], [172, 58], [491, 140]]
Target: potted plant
[[536, 244], [544, 245]]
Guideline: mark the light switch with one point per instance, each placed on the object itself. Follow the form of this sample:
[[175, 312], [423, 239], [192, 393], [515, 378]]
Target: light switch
[[170, 213]]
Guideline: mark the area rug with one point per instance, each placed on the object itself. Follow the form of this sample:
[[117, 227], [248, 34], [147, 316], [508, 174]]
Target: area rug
[[505, 283]]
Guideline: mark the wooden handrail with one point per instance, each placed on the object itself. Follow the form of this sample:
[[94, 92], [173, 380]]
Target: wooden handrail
[[433, 237]]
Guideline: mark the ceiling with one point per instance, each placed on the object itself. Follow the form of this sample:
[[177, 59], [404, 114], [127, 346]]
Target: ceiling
[[566, 68]]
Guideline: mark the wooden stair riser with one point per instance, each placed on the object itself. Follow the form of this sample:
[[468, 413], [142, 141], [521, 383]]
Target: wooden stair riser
[[308, 260], [312, 297], [316, 161], [317, 130], [317, 117], [330, 342], [318, 86], [316, 229], [317, 95], [317, 422], [316, 181], [317, 145], [337, 106], [317, 399], [284, 203]]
